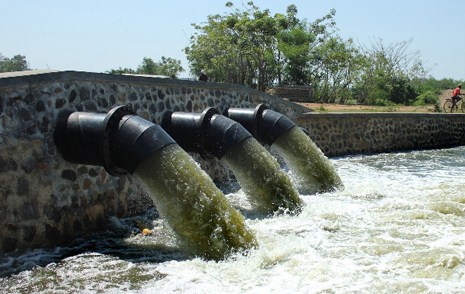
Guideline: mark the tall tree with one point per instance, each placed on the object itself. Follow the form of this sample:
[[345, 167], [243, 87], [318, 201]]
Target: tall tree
[[339, 64], [389, 74], [252, 47], [238, 47], [16, 63], [293, 54]]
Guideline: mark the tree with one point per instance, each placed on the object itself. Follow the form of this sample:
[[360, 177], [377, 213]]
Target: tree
[[216, 51], [16, 63], [239, 47], [121, 70], [252, 47], [338, 65], [166, 66], [390, 73], [294, 47]]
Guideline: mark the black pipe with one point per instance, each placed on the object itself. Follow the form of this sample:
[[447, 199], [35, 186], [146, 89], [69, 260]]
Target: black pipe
[[118, 141], [208, 133], [264, 124]]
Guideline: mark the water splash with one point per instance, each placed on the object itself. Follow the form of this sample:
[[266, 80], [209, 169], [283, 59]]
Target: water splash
[[312, 170], [381, 234], [267, 186], [192, 205]]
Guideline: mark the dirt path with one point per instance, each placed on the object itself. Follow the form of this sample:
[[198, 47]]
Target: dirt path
[[326, 107]]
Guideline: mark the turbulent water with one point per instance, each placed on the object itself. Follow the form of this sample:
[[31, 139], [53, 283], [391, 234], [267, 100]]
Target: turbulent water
[[197, 210], [397, 227]]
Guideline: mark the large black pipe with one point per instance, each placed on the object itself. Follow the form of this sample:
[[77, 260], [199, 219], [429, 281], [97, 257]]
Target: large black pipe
[[208, 133], [264, 124], [118, 141]]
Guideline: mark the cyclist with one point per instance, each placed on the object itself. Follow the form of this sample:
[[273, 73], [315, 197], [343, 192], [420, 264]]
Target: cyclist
[[456, 94]]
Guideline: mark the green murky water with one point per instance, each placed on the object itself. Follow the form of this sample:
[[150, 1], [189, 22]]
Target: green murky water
[[268, 187], [312, 170], [192, 205]]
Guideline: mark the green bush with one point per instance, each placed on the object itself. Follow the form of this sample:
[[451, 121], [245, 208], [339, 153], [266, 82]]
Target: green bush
[[426, 98]]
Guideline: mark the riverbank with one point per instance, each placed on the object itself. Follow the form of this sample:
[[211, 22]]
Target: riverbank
[[334, 107]]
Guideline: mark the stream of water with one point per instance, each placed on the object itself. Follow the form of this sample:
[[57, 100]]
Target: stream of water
[[268, 187], [398, 226]]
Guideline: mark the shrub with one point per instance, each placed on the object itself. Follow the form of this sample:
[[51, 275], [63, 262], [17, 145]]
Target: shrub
[[426, 98]]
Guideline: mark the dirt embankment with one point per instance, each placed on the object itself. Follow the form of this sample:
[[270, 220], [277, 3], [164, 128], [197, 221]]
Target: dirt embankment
[[333, 107]]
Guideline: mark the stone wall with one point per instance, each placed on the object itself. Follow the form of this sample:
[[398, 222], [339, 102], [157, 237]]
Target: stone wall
[[294, 93], [340, 134], [45, 200]]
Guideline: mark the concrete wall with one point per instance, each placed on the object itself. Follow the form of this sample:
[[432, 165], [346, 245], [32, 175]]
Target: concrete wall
[[45, 200]]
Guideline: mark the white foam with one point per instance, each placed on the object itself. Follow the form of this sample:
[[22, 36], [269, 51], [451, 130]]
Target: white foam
[[389, 230]]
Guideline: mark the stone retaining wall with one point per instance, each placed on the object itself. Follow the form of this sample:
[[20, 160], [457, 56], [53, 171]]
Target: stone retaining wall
[[340, 134], [294, 93], [45, 200]]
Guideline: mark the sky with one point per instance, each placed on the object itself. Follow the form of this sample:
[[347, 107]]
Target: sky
[[100, 35]]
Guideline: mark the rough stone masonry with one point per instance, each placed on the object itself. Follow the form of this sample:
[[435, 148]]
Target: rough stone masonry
[[45, 200]]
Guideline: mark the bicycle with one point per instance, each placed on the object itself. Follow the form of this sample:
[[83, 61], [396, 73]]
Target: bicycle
[[450, 106]]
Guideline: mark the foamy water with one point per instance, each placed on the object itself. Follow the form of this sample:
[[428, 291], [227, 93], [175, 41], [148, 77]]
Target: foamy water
[[397, 227]]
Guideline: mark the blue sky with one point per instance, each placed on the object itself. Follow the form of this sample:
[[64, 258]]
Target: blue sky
[[101, 35]]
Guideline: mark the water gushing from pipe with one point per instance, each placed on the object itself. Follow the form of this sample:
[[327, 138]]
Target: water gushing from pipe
[[260, 176], [185, 196], [193, 206], [268, 187], [312, 171]]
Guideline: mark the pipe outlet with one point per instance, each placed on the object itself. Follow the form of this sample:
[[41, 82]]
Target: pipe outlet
[[118, 141], [264, 124], [208, 133]]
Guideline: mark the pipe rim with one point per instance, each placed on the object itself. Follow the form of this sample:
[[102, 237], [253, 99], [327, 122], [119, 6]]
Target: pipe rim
[[110, 124]]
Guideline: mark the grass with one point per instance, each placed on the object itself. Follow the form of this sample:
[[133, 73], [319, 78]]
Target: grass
[[325, 107]]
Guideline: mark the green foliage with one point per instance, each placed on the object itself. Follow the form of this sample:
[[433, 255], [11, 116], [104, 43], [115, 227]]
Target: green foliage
[[431, 84], [252, 47], [426, 98], [238, 47], [322, 108], [402, 91], [390, 74], [16, 63], [166, 66], [120, 71], [293, 44]]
